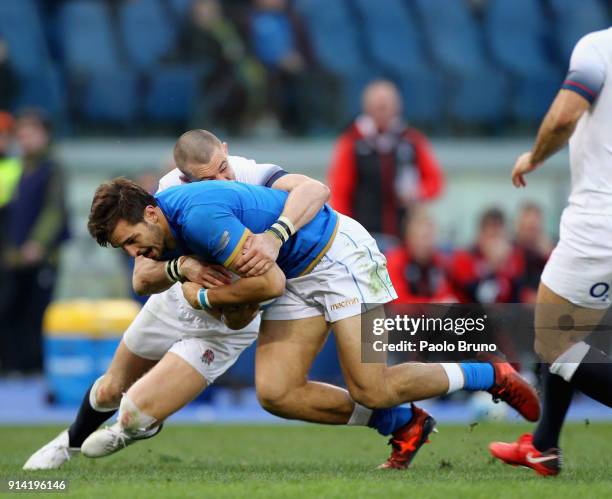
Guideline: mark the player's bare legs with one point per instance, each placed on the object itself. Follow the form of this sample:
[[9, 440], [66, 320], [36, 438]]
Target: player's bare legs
[[286, 350], [285, 353], [560, 328], [165, 389], [559, 324], [376, 384], [554, 316], [123, 371], [99, 404]]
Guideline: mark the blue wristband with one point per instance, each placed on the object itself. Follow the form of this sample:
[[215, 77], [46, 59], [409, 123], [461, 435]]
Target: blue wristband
[[203, 299]]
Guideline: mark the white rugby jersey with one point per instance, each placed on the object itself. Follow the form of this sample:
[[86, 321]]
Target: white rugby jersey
[[590, 75], [246, 171], [172, 302]]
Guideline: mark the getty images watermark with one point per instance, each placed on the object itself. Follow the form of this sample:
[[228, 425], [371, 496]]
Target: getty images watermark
[[417, 327], [455, 332]]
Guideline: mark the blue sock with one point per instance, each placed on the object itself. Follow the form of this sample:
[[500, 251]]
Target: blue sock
[[386, 421], [478, 376]]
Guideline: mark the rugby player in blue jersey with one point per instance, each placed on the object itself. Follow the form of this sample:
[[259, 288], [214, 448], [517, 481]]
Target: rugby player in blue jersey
[[324, 273]]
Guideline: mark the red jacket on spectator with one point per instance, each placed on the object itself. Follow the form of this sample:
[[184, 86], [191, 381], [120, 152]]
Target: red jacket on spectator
[[369, 169], [534, 266], [475, 282], [417, 283]]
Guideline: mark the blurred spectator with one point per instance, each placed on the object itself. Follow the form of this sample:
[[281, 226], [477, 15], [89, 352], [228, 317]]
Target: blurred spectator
[[10, 168], [9, 84], [536, 247], [492, 271], [299, 92], [232, 87], [381, 165], [37, 225], [417, 269]]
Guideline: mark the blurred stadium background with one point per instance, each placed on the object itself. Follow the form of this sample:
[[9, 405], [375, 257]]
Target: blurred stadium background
[[120, 79]]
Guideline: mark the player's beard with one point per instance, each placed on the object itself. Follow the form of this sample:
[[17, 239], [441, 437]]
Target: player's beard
[[157, 246]]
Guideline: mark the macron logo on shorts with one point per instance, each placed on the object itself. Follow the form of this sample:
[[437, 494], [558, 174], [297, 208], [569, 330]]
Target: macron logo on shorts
[[345, 303]]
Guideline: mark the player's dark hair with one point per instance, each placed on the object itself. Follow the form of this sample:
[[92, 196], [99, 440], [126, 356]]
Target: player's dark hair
[[196, 146], [118, 199]]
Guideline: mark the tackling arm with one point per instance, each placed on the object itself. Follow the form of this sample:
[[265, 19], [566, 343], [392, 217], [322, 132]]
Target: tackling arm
[[306, 198], [150, 276], [248, 290]]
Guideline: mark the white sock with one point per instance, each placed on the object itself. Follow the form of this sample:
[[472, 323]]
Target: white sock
[[361, 416], [454, 373], [132, 419], [567, 363], [92, 398]]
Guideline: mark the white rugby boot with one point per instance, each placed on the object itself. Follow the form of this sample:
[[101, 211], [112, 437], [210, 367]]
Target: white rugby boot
[[52, 455], [110, 439]]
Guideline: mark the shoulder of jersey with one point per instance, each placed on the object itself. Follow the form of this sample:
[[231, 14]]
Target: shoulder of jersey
[[598, 37], [242, 167], [170, 179]]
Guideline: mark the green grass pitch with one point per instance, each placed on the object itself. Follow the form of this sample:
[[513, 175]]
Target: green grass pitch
[[293, 461]]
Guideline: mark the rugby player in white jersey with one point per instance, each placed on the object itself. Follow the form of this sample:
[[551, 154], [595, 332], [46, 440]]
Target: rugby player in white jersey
[[574, 291], [324, 288], [194, 347], [167, 324]]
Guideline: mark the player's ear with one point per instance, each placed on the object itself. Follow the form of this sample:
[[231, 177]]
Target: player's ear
[[225, 148], [150, 214]]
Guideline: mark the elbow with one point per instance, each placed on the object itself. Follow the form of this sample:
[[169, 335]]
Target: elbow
[[325, 192], [140, 290], [564, 123], [320, 190], [275, 285], [278, 289], [140, 285]]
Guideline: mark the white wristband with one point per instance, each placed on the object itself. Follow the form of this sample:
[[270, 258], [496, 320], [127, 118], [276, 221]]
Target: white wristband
[[288, 223]]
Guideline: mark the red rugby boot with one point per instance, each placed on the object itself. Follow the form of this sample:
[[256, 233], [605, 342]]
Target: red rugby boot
[[408, 439], [523, 453], [513, 389]]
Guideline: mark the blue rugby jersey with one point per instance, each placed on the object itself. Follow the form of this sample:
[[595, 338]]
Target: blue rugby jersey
[[210, 219]]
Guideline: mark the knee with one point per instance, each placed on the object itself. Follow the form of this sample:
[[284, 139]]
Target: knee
[[273, 394], [370, 396], [134, 419], [107, 393]]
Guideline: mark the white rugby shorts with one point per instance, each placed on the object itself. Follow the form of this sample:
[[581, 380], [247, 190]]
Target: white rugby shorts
[[168, 324], [352, 272], [580, 267]]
